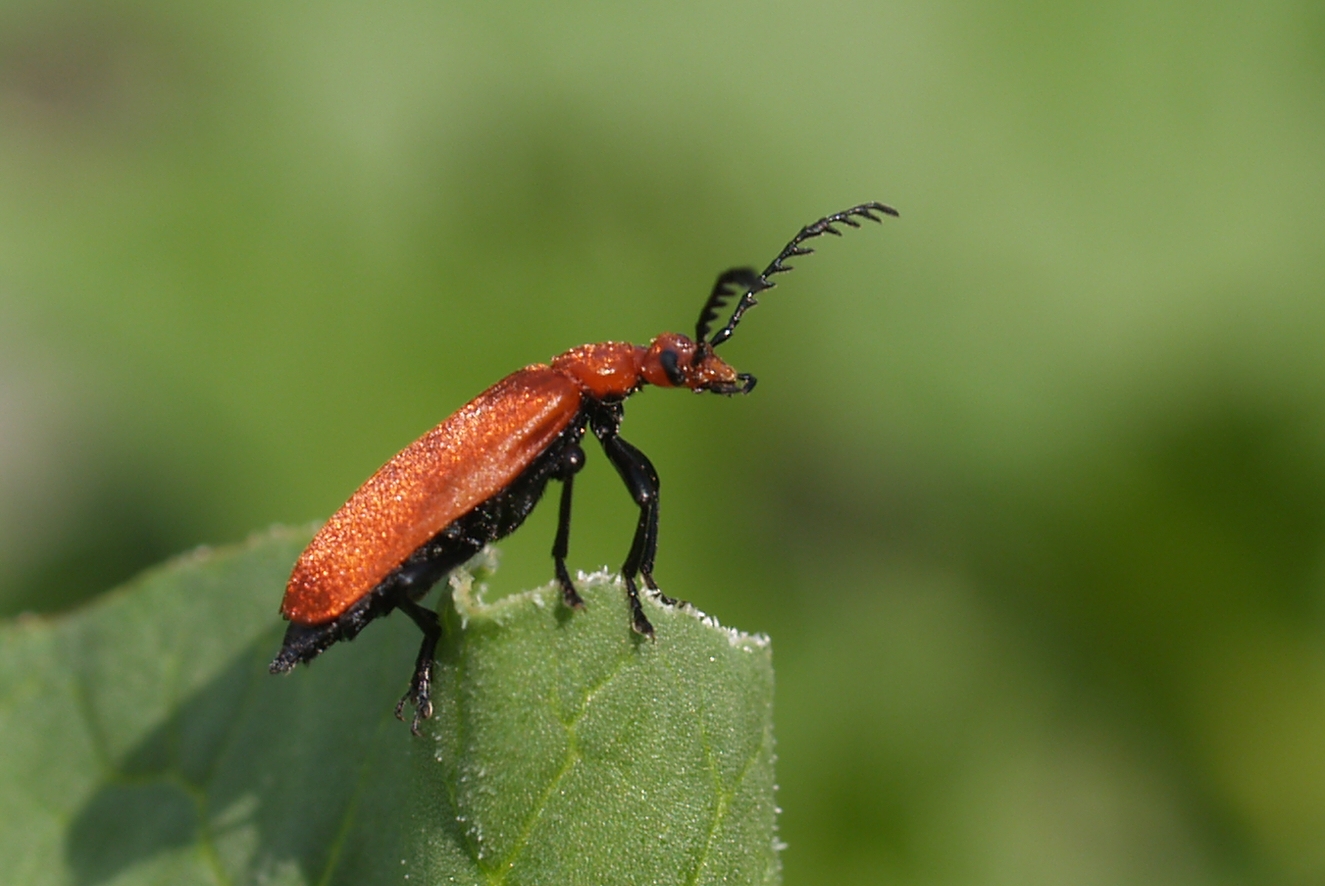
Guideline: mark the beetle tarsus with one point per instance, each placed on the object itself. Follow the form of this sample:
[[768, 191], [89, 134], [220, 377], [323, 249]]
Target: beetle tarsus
[[419, 694], [664, 599], [420, 685], [638, 620], [646, 573], [418, 697], [571, 596]]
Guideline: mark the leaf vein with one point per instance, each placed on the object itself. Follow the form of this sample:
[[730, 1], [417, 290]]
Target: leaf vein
[[233, 724], [503, 868], [724, 796], [347, 817]]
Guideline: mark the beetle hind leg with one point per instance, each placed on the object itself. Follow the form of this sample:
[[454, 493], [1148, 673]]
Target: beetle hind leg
[[420, 685], [571, 463]]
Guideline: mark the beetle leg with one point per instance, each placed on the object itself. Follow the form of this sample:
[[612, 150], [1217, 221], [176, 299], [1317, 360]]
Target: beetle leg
[[651, 550], [420, 685], [646, 565], [570, 466], [642, 482]]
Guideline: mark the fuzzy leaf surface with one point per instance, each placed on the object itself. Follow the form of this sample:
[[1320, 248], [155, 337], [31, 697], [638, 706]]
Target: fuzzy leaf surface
[[143, 742]]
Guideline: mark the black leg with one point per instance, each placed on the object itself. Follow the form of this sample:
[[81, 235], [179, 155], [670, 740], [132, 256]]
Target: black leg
[[642, 482], [420, 685], [651, 549], [574, 460]]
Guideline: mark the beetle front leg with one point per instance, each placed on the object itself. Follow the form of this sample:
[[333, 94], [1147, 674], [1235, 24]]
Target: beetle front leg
[[420, 685], [650, 549]]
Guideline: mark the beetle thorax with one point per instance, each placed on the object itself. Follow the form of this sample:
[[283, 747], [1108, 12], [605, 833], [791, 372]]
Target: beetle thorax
[[608, 370]]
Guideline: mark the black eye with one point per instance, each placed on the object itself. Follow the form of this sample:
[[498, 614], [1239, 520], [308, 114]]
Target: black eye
[[669, 365]]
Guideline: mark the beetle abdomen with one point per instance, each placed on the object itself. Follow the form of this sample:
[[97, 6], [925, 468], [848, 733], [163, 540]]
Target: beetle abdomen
[[464, 537], [465, 461]]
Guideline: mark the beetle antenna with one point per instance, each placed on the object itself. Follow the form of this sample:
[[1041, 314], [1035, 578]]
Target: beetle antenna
[[762, 282], [745, 278]]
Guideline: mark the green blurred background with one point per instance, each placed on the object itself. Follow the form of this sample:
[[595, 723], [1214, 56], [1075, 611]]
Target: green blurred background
[[1031, 496]]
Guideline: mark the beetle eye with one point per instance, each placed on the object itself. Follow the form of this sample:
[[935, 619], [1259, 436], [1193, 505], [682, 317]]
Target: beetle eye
[[669, 365]]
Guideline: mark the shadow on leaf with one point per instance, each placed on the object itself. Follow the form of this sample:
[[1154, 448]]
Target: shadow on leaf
[[256, 776]]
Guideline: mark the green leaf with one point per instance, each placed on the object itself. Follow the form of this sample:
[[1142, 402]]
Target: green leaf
[[142, 741]]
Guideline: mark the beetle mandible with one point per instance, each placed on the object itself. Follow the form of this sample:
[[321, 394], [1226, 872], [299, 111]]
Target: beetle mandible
[[475, 477]]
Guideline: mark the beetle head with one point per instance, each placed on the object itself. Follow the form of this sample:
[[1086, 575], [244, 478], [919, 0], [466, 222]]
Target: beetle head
[[675, 361], [678, 362]]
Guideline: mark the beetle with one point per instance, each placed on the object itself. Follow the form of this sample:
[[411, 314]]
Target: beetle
[[475, 477]]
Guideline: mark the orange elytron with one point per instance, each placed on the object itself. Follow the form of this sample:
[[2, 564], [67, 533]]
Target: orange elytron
[[475, 477]]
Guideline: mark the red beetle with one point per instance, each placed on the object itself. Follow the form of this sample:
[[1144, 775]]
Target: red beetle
[[475, 477]]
